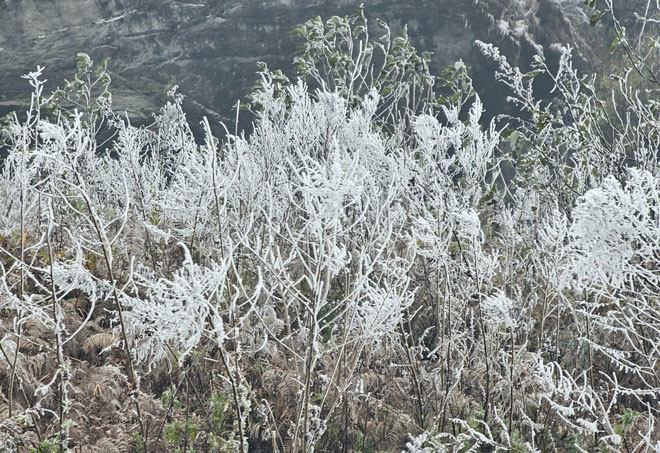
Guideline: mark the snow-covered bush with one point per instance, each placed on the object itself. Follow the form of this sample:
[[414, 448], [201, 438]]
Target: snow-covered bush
[[355, 273]]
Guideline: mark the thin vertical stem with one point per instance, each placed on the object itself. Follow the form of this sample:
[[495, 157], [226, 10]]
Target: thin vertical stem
[[234, 389], [511, 382], [107, 256], [58, 346]]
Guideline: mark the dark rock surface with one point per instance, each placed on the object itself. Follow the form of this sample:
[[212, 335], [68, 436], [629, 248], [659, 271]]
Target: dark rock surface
[[210, 48]]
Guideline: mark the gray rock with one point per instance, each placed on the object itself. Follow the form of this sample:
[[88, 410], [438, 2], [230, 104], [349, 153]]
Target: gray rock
[[210, 48]]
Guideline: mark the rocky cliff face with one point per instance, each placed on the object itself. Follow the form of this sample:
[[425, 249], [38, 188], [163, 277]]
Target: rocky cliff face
[[210, 47]]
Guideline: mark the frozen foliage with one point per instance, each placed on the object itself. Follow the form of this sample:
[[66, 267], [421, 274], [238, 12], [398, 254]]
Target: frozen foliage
[[355, 273], [426, 443], [615, 232], [188, 297], [498, 310]]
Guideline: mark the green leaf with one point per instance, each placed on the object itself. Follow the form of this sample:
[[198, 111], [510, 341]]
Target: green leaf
[[595, 18], [532, 74], [513, 139], [614, 45], [357, 31], [489, 196], [506, 133]]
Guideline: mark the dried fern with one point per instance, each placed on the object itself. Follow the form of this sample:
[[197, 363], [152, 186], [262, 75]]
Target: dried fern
[[98, 343]]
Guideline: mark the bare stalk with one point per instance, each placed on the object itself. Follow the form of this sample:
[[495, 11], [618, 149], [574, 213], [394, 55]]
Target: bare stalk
[[58, 348], [107, 256], [309, 361], [21, 288], [413, 372], [12, 376], [234, 389], [511, 381]]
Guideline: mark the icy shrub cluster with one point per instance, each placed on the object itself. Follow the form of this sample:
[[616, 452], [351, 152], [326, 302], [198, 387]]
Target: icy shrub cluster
[[357, 269]]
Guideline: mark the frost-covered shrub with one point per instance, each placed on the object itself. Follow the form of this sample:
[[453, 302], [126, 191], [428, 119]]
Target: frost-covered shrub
[[615, 232], [356, 272]]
